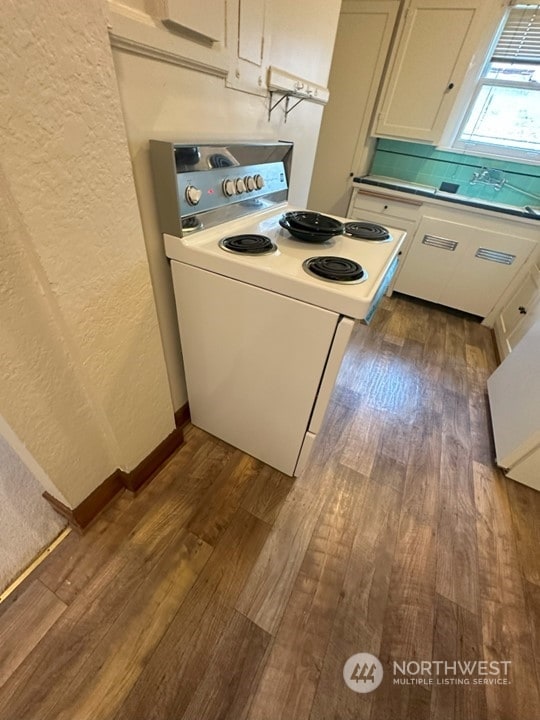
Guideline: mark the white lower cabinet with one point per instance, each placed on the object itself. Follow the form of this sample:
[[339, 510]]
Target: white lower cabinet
[[461, 257], [388, 209], [520, 312], [461, 263], [385, 210], [436, 43]]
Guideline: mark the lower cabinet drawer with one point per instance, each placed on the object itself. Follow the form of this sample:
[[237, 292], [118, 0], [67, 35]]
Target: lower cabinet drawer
[[375, 203]]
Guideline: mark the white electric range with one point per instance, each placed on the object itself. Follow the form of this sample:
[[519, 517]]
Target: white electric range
[[264, 317]]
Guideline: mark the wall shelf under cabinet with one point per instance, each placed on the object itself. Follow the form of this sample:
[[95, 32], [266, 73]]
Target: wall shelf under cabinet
[[288, 87]]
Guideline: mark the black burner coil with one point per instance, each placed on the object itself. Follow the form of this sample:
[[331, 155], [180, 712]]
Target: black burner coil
[[338, 269], [248, 244]]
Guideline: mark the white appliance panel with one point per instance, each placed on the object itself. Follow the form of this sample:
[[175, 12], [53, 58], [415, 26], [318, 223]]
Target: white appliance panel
[[514, 398], [262, 339], [254, 361]]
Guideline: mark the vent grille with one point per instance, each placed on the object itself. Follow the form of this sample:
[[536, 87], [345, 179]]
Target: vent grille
[[439, 242], [495, 256]]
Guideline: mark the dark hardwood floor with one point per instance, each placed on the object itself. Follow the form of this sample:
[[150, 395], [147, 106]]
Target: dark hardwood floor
[[226, 590]]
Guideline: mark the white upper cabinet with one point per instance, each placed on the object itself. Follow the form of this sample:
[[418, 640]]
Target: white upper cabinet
[[303, 35], [436, 44], [204, 17], [238, 40], [179, 32], [251, 31], [248, 39]]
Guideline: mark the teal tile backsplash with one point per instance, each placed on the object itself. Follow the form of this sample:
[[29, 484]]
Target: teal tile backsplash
[[424, 164]]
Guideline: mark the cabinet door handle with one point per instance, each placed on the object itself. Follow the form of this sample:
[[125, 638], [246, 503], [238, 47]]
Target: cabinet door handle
[[451, 86], [522, 310]]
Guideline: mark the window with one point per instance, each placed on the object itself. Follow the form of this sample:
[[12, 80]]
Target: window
[[504, 115]]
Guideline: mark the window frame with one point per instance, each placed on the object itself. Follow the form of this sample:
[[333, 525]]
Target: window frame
[[486, 149]]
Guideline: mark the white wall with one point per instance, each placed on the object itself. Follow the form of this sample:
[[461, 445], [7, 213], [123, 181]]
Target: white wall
[[162, 100], [83, 381], [364, 34]]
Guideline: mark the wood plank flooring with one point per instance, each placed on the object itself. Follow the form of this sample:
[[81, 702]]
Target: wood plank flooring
[[227, 591]]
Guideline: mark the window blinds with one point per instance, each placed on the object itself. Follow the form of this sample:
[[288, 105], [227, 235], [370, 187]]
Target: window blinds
[[520, 38]]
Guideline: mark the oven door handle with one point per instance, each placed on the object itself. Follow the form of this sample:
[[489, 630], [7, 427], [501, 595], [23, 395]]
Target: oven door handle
[[383, 287]]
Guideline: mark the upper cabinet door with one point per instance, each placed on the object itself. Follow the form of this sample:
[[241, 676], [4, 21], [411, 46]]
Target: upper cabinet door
[[204, 17], [248, 39], [437, 42], [303, 36], [251, 31]]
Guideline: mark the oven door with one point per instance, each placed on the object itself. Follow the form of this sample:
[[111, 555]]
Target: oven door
[[256, 362], [382, 289], [326, 386]]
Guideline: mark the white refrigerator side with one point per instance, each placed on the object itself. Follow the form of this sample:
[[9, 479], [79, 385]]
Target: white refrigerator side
[[514, 397]]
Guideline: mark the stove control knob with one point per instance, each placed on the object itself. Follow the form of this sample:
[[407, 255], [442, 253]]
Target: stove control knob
[[229, 188], [249, 182], [259, 181], [193, 195], [240, 186]]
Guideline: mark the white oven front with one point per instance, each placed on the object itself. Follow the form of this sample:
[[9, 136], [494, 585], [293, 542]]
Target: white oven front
[[260, 366]]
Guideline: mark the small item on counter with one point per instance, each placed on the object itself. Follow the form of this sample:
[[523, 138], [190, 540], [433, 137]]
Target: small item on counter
[[449, 187]]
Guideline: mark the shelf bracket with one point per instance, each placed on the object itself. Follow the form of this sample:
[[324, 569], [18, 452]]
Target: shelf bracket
[[288, 107], [274, 106]]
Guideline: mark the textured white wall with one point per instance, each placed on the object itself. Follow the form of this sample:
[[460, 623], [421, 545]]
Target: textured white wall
[[82, 375], [164, 101]]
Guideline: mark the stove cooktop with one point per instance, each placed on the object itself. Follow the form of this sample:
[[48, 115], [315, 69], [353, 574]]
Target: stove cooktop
[[282, 270]]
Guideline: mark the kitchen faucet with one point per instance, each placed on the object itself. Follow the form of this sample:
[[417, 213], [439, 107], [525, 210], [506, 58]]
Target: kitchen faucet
[[489, 176]]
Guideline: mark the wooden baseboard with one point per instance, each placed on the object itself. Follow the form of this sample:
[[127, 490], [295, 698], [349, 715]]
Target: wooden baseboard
[[182, 416], [80, 517], [86, 512], [147, 468]]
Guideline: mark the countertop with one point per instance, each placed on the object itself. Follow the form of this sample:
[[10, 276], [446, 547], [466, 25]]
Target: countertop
[[432, 192]]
